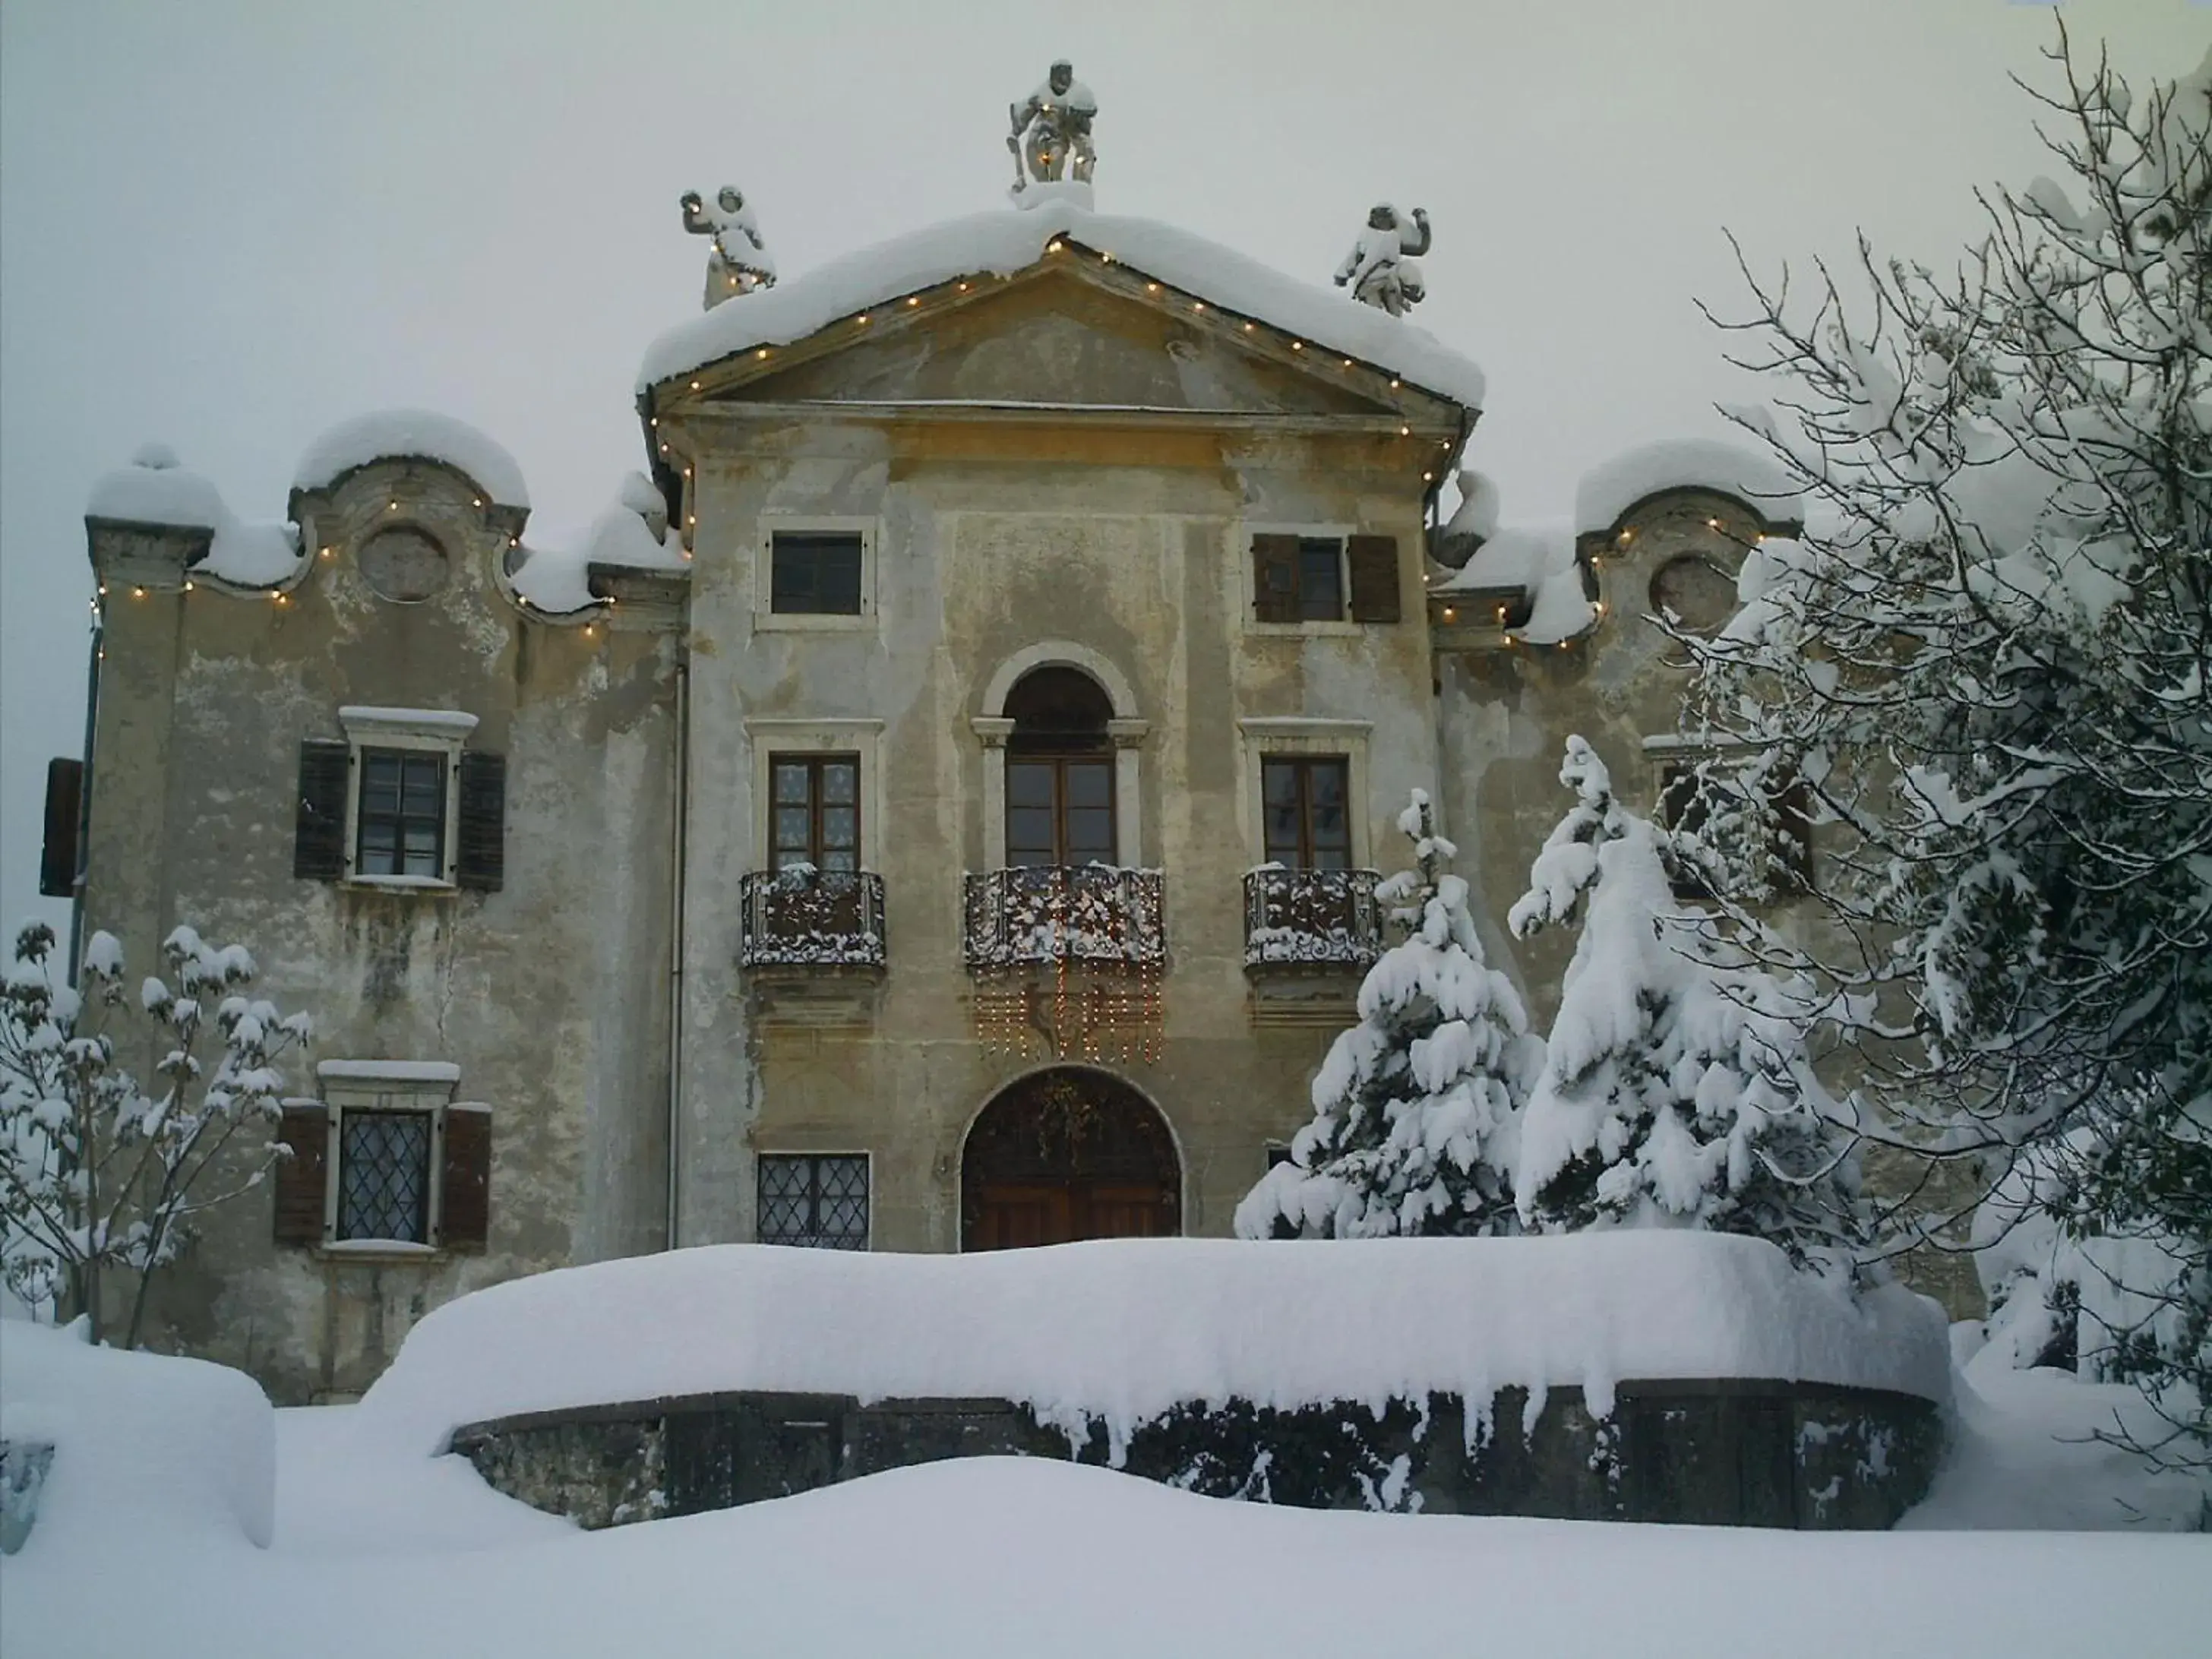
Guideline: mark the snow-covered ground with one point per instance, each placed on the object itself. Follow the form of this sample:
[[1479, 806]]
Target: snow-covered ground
[[378, 1552]]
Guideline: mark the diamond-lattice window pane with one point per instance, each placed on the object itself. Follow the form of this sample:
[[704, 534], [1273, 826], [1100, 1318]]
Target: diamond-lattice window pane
[[384, 1176], [821, 1202]]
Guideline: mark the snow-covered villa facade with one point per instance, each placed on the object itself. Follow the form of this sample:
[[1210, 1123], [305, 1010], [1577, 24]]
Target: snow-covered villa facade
[[929, 812]]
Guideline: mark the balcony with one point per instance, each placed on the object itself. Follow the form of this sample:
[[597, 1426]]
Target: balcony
[[810, 919], [1095, 915], [1311, 921]]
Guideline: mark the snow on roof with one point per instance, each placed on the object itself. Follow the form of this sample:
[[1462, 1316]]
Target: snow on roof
[[1002, 242], [632, 534], [1753, 476], [154, 490], [1125, 1329], [399, 434], [1540, 560]]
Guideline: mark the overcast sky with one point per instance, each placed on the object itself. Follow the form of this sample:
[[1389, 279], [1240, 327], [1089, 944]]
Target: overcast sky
[[229, 223]]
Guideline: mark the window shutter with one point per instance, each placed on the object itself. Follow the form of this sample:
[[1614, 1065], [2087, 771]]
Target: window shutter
[[318, 848], [465, 1217], [481, 862], [1374, 578], [1275, 578], [305, 1129], [64, 802], [1793, 831]]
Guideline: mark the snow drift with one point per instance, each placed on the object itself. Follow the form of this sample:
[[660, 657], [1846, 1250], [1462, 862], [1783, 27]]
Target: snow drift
[[146, 1447], [1126, 1329]]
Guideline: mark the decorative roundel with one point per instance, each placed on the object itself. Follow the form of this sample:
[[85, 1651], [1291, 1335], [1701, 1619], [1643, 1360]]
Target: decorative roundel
[[404, 565], [1696, 591]]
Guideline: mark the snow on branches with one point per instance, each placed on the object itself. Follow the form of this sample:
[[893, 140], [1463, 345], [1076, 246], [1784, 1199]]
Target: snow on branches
[[101, 1169], [1990, 658], [1676, 1089], [1414, 1107]]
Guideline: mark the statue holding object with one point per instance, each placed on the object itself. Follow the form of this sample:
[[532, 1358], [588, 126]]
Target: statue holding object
[[1383, 268], [1052, 127], [738, 262]]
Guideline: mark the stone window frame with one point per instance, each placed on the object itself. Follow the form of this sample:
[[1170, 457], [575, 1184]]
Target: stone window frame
[[867, 1161], [441, 731], [1344, 626], [808, 737], [428, 1087], [1126, 731], [768, 619], [1272, 736]]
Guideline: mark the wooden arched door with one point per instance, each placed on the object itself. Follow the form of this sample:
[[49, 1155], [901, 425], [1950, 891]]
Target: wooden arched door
[[1068, 1154]]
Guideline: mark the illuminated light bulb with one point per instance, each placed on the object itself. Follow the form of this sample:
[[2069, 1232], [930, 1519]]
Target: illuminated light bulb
[[1712, 524], [590, 628], [1428, 477], [914, 299], [1405, 432], [655, 421], [1347, 362], [1054, 248], [1394, 386], [281, 598], [188, 587], [693, 521], [1151, 287], [1600, 607], [137, 592], [1106, 258], [1450, 613], [329, 553], [963, 287], [103, 590], [392, 507], [862, 318], [687, 471], [1501, 613], [763, 352], [1247, 328], [1509, 639], [1198, 304], [695, 386], [514, 541], [1297, 345], [1625, 536]]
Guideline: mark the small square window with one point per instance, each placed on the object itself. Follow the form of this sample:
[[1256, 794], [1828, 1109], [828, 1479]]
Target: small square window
[[384, 1176], [1298, 578], [815, 573], [818, 1201]]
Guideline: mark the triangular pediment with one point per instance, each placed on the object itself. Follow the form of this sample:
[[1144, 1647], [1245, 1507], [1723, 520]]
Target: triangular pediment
[[1064, 334]]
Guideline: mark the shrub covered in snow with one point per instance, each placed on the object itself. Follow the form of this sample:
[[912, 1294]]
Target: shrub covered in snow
[[1676, 1089], [97, 1169], [1414, 1108]]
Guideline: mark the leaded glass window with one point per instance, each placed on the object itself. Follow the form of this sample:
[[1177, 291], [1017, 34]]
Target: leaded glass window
[[815, 573], [403, 813], [814, 1200], [384, 1176], [817, 811]]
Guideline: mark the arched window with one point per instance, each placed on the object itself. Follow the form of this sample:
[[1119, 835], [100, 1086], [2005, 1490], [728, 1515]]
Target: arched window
[[1059, 770]]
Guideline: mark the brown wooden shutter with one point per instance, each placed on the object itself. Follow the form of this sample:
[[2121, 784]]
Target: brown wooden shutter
[[64, 804], [1275, 578], [465, 1220], [1374, 578], [481, 860], [318, 848], [301, 1175], [1793, 831]]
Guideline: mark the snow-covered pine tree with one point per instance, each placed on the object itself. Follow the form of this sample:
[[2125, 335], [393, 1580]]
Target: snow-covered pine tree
[[1415, 1107], [1676, 1089], [99, 1172], [1988, 661]]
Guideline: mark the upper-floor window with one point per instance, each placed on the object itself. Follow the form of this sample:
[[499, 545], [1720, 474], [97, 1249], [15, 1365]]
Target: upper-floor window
[[401, 800], [816, 573], [816, 810], [1323, 576], [1059, 771], [402, 827], [1302, 799]]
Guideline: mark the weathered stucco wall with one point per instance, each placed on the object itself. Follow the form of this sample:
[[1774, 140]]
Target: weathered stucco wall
[[550, 995]]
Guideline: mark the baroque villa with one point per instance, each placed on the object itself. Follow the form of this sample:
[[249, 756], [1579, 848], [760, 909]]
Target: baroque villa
[[936, 808]]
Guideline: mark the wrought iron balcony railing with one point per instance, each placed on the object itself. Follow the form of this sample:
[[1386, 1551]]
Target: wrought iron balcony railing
[[1092, 914], [1311, 918], [803, 917]]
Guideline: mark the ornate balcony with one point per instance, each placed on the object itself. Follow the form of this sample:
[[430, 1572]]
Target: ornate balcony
[[807, 918], [1096, 916], [1310, 920]]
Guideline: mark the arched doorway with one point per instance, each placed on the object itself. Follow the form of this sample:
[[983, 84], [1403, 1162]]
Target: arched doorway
[[1066, 1154]]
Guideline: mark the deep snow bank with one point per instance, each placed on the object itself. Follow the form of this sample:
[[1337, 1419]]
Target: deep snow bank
[[1126, 1329], [145, 1446]]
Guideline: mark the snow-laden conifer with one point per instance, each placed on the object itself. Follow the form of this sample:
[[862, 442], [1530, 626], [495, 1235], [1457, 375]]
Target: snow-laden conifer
[[1677, 1088], [1414, 1108]]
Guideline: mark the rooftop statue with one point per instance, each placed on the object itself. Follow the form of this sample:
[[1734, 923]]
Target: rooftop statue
[[1383, 269], [1051, 126], [739, 261]]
